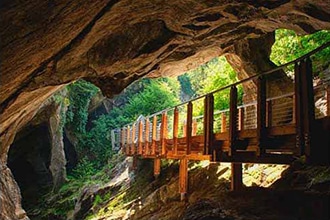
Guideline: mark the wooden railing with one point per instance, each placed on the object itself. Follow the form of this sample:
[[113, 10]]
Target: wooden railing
[[273, 125]]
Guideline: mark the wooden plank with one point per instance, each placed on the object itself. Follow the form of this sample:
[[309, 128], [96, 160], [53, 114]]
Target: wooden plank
[[236, 183], [122, 133], [241, 119], [140, 138], [223, 122], [194, 128], [233, 120], [154, 135], [184, 128], [147, 135], [199, 157], [208, 124], [261, 114], [183, 178], [163, 133], [189, 126], [128, 142], [175, 130], [157, 163]]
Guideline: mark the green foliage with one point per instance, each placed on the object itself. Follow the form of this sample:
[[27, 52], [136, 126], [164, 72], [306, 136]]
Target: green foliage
[[289, 46], [80, 94]]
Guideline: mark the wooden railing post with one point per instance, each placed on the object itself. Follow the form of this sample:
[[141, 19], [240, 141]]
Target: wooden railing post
[[175, 130], [184, 129], [133, 139], [208, 124], [194, 127], [241, 119], [223, 122], [236, 177], [157, 163], [128, 141], [189, 127], [140, 140], [294, 109], [147, 136], [122, 134], [298, 110], [154, 135], [163, 133], [183, 178], [233, 120], [261, 115]]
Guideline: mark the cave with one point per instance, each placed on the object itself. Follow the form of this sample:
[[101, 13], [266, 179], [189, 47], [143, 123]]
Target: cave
[[29, 160], [70, 153]]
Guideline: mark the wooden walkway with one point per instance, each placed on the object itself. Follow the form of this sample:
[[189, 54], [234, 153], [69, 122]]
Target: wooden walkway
[[266, 129]]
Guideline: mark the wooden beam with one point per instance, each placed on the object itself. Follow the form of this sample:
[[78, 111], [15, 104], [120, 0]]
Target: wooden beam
[[184, 129], [122, 133], [175, 130], [298, 109], [233, 120], [163, 133], [194, 127], [189, 126], [261, 115], [147, 135], [183, 178], [154, 135], [157, 163], [140, 138], [236, 177]]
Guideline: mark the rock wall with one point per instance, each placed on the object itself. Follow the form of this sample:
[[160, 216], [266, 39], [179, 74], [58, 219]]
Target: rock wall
[[45, 44]]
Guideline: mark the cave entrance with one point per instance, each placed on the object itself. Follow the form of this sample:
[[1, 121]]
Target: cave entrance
[[29, 160]]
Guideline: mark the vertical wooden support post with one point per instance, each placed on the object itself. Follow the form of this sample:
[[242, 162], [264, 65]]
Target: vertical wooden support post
[[133, 139], [154, 135], [223, 122], [308, 106], [156, 167], [194, 127], [128, 141], [261, 115], [241, 119], [236, 177], [233, 120], [183, 178], [175, 130], [147, 135], [298, 110], [184, 129], [208, 124], [294, 109], [269, 115], [140, 138], [122, 133], [328, 100], [163, 133], [189, 127]]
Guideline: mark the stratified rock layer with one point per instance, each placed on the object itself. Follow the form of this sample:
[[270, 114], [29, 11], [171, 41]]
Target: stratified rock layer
[[45, 44]]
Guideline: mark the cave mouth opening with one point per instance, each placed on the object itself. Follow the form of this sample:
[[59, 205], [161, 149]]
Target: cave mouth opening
[[29, 160]]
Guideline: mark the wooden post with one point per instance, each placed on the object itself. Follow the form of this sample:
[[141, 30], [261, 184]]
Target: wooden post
[[156, 167], [128, 142], [154, 135], [122, 133], [194, 127], [184, 129], [183, 178], [223, 122], [308, 105], [133, 139], [298, 110], [294, 109], [208, 124], [236, 177], [241, 119], [140, 140], [261, 115], [233, 120], [175, 130], [189, 127], [269, 115], [163, 133], [147, 134]]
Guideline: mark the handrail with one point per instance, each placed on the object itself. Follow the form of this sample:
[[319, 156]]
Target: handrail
[[323, 46]]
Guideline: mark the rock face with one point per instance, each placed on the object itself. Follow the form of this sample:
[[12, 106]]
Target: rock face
[[45, 44]]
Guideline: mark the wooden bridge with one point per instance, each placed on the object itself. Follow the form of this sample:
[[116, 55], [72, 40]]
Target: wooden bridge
[[278, 118]]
